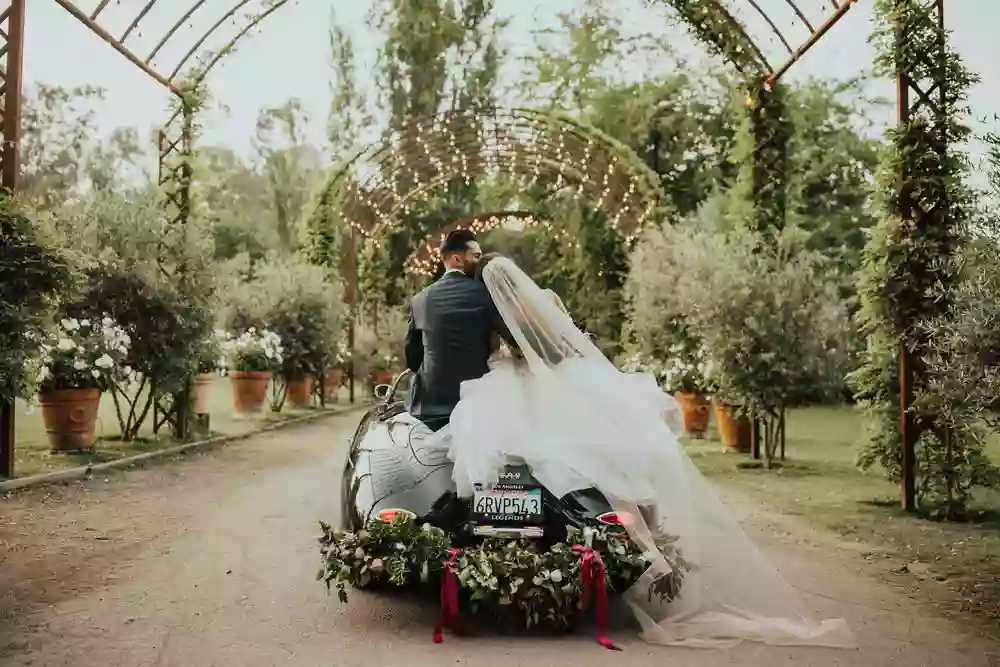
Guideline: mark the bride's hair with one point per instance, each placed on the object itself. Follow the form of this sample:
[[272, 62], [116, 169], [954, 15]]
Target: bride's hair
[[483, 261]]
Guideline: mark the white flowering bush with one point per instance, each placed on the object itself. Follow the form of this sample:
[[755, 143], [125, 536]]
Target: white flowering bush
[[155, 279], [341, 353], [684, 368], [83, 354], [252, 351], [688, 368], [640, 363]]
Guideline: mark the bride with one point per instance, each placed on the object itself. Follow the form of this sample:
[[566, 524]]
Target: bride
[[557, 403]]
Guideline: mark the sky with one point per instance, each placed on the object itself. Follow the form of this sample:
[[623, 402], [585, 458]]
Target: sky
[[288, 56]]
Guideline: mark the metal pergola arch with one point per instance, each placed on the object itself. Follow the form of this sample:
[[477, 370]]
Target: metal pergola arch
[[477, 142], [178, 143]]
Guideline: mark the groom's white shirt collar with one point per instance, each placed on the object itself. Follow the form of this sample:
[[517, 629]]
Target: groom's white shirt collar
[[447, 271]]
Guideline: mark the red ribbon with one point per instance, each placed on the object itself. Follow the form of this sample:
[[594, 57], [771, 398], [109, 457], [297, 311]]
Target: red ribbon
[[592, 582], [449, 597]]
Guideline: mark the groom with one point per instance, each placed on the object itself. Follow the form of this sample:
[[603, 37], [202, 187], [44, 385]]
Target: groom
[[451, 327]]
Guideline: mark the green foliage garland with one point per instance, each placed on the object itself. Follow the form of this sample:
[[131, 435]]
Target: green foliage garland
[[906, 270], [715, 27], [542, 588], [760, 194]]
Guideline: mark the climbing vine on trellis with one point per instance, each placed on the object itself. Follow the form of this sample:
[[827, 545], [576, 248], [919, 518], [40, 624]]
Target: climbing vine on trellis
[[759, 199], [176, 175], [391, 188], [714, 26], [906, 272], [762, 151]]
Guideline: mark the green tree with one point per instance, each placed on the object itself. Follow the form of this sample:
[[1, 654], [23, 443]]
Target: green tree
[[233, 199], [291, 166], [348, 117], [833, 161], [153, 277], [435, 56], [59, 149]]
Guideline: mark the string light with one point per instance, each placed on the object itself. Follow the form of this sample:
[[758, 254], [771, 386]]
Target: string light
[[527, 147]]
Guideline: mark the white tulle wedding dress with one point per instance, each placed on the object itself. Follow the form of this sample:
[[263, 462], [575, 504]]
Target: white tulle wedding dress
[[579, 422]]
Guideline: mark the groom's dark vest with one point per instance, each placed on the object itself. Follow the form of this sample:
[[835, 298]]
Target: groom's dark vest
[[448, 342]]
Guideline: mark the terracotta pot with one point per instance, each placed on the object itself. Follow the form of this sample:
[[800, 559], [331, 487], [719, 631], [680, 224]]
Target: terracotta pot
[[201, 388], [384, 377], [70, 417], [331, 383], [249, 390], [696, 411], [298, 393], [733, 431]]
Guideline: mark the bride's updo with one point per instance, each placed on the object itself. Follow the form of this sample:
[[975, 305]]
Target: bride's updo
[[483, 261]]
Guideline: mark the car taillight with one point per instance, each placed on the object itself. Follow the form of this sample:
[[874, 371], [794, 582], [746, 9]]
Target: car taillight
[[390, 515], [623, 519]]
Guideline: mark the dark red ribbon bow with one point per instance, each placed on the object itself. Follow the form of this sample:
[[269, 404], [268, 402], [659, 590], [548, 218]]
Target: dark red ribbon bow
[[592, 583], [449, 597]]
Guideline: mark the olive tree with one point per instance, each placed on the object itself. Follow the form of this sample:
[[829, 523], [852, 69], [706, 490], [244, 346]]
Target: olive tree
[[152, 276], [768, 314]]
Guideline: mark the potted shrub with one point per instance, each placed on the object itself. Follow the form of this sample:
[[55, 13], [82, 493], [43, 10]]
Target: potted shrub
[[208, 360], [252, 357], [78, 360], [302, 306], [733, 426], [775, 325], [386, 363], [154, 278], [384, 367], [766, 308], [685, 372], [333, 380]]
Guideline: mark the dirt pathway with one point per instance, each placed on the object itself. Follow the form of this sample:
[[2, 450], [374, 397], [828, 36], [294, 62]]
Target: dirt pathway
[[210, 562]]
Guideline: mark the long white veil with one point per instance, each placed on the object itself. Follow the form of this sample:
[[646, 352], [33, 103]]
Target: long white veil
[[618, 433]]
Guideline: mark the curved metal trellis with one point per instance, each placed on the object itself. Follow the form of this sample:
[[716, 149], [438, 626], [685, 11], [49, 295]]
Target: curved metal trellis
[[744, 52], [192, 68], [196, 56], [197, 61], [427, 256], [529, 147]]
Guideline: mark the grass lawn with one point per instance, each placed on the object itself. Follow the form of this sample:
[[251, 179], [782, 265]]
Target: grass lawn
[[32, 448], [820, 484]]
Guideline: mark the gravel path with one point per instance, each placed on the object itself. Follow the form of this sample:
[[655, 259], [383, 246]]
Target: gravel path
[[210, 561]]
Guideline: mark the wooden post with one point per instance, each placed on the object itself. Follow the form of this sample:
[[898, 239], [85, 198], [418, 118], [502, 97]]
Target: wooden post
[[12, 50], [353, 300], [907, 426]]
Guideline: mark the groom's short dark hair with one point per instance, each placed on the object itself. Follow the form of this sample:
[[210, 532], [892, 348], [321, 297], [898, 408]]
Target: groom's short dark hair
[[457, 242]]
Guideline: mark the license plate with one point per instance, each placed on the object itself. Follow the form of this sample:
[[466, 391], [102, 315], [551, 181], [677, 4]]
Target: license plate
[[514, 498]]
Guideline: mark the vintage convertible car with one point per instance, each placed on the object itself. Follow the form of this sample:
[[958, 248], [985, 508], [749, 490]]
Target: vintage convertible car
[[393, 466]]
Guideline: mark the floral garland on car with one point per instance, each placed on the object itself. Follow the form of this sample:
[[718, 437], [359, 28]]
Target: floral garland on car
[[542, 589]]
